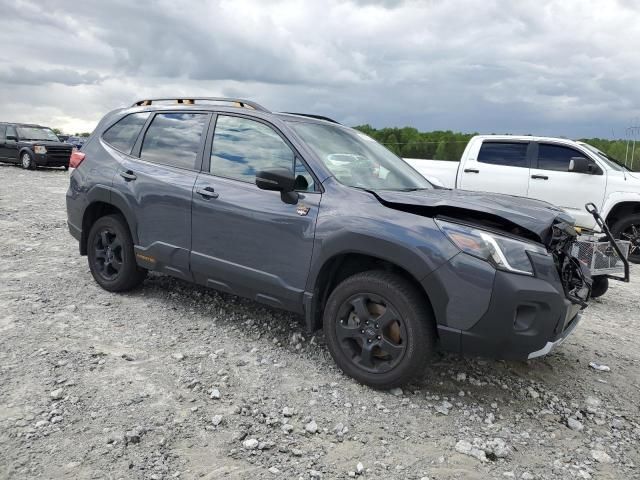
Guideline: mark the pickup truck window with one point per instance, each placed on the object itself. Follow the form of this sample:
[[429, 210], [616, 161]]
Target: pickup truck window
[[556, 157], [509, 154]]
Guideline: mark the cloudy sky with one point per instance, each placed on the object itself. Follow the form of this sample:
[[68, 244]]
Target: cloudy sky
[[566, 67]]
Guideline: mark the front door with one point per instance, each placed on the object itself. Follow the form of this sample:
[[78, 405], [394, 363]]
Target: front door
[[498, 167], [552, 181], [245, 240]]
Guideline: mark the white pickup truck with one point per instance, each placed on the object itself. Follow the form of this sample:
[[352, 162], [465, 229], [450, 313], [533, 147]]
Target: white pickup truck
[[563, 172]]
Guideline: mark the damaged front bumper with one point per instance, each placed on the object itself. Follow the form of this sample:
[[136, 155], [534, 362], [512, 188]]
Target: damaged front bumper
[[550, 345]]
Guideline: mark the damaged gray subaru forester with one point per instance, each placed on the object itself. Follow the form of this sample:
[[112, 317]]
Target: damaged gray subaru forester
[[301, 213]]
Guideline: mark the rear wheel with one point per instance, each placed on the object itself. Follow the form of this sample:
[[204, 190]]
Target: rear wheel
[[379, 329], [27, 161], [111, 256], [628, 228]]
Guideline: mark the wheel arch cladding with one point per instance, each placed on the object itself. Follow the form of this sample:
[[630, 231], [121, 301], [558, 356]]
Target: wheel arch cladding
[[105, 202], [341, 266]]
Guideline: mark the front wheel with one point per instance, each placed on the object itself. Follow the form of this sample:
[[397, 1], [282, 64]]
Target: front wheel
[[379, 329], [27, 161], [628, 228], [111, 257]]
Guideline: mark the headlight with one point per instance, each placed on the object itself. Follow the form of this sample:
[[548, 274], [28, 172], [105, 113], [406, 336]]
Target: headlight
[[40, 149], [502, 252]]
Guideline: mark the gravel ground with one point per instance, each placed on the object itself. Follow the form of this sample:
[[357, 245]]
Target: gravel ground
[[177, 381]]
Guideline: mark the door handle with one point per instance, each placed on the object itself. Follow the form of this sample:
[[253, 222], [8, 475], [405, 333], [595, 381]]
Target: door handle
[[207, 192], [540, 177], [471, 170], [128, 175]]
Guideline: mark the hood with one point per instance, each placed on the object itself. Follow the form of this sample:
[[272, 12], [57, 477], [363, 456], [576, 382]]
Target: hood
[[518, 215]]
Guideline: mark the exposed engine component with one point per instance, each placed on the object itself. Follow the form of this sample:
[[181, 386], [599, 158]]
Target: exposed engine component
[[575, 276]]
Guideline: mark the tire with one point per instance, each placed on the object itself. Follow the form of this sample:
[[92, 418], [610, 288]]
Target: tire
[[111, 257], [26, 160], [394, 347], [600, 286], [628, 228]]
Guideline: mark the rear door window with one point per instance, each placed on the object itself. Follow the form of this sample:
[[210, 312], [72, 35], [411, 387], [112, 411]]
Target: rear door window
[[508, 154], [11, 132], [174, 139], [556, 157], [123, 135]]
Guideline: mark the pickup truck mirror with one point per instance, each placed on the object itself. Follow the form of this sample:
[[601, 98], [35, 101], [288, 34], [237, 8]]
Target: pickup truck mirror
[[280, 180], [584, 165]]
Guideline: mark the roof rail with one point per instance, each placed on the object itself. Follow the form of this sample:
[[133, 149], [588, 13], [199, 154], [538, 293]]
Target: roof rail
[[238, 102], [310, 115]]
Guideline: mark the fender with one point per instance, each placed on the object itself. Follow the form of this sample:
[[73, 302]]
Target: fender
[[21, 150], [419, 259], [616, 198], [106, 194]]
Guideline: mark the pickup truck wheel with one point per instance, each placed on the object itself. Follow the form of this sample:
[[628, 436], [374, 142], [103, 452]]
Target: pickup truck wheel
[[628, 228], [379, 329], [600, 286], [111, 256]]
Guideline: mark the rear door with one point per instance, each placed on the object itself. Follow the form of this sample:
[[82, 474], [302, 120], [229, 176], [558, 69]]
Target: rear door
[[157, 181], [11, 145], [497, 166], [248, 241], [552, 181]]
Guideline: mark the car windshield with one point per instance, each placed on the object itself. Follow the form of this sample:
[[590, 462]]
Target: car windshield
[[608, 159], [37, 133], [357, 160]]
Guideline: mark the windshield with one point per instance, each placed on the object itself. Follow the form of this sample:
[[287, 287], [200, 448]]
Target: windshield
[[357, 160], [37, 133], [608, 159]]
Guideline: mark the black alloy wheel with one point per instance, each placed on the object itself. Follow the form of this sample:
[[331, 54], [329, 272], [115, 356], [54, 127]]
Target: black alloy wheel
[[633, 235], [107, 253], [371, 332], [628, 228], [379, 328], [111, 256]]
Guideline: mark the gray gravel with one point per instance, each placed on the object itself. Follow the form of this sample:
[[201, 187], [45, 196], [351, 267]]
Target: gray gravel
[[176, 381]]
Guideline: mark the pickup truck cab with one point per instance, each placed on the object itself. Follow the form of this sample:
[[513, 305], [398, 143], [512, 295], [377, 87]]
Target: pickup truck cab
[[566, 173]]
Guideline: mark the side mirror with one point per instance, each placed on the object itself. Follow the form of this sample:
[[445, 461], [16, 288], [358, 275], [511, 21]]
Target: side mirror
[[12, 138], [279, 180], [584, 165]]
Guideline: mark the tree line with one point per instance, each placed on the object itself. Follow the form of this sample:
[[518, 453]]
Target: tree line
[[408, 142]]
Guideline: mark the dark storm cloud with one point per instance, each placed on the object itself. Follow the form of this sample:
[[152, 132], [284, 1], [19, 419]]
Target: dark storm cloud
[[553, 67]]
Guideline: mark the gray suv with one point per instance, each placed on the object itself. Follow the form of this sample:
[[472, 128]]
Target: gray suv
[[301, 213]]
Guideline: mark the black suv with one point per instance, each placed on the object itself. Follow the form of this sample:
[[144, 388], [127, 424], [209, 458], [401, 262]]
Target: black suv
[[301, 213], [32, 145]]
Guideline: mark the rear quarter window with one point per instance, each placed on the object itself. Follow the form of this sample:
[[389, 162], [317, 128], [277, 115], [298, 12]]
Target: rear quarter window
[[508, 154], [123, 135]]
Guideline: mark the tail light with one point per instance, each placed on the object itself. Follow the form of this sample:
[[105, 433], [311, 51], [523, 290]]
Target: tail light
[[76, 158]]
